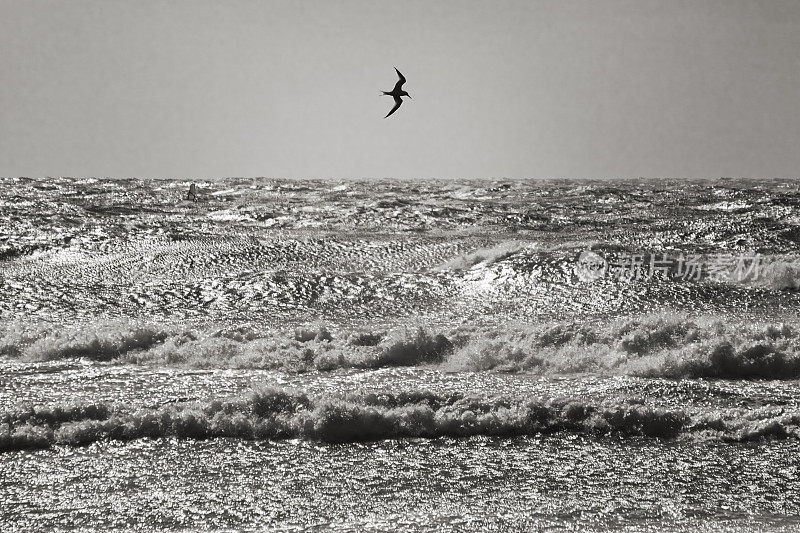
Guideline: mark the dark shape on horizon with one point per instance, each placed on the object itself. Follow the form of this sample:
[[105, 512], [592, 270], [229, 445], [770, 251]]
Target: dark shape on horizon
[[192, 194], [397, 92]]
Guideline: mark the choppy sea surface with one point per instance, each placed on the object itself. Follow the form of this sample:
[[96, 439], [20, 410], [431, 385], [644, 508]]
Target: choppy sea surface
[[364, 355]]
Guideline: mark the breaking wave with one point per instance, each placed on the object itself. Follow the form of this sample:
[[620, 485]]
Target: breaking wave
[[653, 346], [102, 341], [667, 345], [305, 348], [276, 413]]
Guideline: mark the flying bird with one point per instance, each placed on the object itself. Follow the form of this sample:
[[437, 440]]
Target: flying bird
[[397, 92]]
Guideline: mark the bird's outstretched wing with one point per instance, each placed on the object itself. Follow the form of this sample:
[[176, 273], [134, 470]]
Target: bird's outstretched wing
[[397, 102], [399, 85]]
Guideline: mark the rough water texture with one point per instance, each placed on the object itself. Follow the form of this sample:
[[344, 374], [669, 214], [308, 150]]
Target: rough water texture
[[381, 355]]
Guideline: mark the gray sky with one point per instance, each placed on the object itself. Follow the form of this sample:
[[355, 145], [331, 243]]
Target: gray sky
[[290, 88]]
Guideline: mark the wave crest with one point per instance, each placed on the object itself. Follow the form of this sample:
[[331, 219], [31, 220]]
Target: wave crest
[[275, 413], [666, 345], [651, 346]]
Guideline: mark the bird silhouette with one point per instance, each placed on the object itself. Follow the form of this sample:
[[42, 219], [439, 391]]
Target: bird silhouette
[[397, 92]]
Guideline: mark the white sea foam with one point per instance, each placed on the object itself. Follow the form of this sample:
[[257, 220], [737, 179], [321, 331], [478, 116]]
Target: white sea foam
[[483, 256], [672, 346], [780, 274], [276, 413]]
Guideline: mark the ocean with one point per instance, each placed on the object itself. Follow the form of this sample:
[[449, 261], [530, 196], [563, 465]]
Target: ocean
[[384, 355]]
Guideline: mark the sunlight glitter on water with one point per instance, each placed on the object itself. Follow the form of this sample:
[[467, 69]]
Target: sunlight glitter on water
[[177, 365], [435, 485]]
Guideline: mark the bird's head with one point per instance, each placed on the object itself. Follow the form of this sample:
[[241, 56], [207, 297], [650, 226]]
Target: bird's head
[[406, 94]]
